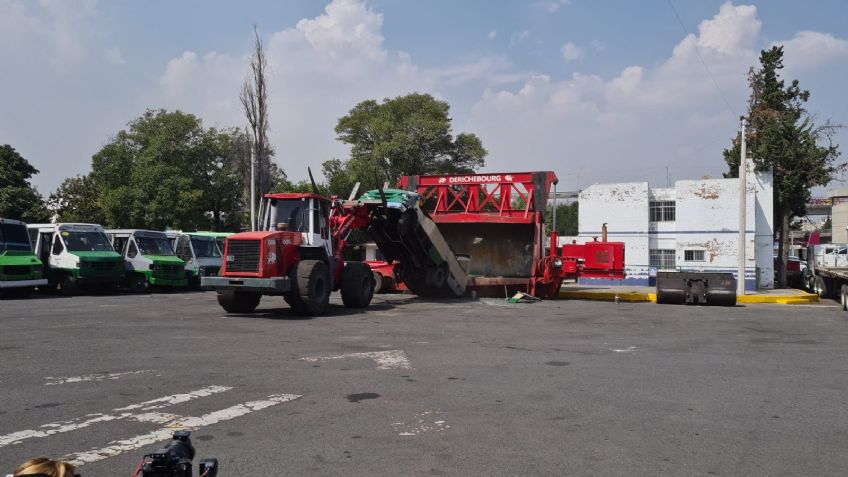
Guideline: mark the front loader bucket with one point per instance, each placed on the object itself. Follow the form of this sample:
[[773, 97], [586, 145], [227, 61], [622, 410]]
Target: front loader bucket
[[696, 288], [495, 250], [427, 265]]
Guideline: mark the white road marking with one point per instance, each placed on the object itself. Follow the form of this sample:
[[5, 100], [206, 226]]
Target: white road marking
[[163, 434], [629, 349], [119, 413], [391, 359], [52, 381], [424, 421]]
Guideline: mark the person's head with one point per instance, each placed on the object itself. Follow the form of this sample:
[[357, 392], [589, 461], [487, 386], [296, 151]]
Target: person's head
[[43, 466]]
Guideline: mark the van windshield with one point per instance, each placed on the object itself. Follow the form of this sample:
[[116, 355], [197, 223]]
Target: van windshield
[[205, 247], [86, 242], [14, 237], [154, 246]]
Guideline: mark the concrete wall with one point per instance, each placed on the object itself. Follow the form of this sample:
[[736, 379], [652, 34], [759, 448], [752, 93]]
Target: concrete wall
[[839, 215], [707, 219], [624, 208]]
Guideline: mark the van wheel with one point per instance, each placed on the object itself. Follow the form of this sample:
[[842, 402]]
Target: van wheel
[[138, 284], [67, 285]]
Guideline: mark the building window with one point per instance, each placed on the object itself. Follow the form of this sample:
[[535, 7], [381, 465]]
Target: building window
[[662, 210], [693, 255], [662, 259]]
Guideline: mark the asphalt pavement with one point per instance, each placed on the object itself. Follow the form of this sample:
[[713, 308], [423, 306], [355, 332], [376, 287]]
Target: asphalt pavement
[[417, 387]]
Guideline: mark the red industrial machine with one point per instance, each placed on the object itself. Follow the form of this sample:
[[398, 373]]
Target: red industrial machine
[[497, 221]]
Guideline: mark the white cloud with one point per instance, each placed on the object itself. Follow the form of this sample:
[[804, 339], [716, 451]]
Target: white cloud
[[113, 55], [492, 34], [518, 37], [810, 49], [571, 52], [616, 125], [553, 6]]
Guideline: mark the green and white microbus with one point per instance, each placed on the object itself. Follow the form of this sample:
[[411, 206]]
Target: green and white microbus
[[199, 251], [75, 256], [20, 269], [219, 237], [149, 259]]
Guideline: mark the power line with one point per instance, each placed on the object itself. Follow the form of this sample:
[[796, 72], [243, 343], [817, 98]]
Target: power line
[[700, 57]]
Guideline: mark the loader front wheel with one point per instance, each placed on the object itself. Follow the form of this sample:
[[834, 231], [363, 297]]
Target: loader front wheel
[[235, 301], [357, 285], [311, 296]]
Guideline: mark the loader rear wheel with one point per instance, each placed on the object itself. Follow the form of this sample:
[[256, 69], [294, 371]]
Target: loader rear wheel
[[234, 301], [357, 285], [378, 282], [311, 293]]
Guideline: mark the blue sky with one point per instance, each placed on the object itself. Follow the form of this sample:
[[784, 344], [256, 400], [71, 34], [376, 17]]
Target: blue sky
[[598, 91]]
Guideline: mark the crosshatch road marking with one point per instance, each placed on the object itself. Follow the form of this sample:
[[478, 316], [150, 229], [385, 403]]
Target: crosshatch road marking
[[163, 434], [392, 359], [119, 413], [53, 381]]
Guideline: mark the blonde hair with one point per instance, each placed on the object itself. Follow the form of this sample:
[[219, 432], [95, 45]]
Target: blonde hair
[[43, 465]]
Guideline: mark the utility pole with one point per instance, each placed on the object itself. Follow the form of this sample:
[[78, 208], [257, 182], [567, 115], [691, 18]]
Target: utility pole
[[252, 192], [743, 186]]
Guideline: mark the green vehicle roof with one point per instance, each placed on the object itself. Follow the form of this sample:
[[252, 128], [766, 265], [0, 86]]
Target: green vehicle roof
[[211, 234]]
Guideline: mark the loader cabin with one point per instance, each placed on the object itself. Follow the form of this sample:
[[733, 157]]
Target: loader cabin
[[308, 214]]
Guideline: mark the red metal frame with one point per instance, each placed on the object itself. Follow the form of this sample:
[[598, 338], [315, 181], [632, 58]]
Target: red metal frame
[[515, 198]]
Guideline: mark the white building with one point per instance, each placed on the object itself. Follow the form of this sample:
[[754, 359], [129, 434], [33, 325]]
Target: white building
[[692, 226]]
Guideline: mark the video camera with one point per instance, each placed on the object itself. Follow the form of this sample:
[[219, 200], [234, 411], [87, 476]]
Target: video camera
[[174, 460]]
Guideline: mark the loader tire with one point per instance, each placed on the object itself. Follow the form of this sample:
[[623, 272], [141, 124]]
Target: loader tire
[[378, 282], [311, 292], [235, 301], [357, 285]]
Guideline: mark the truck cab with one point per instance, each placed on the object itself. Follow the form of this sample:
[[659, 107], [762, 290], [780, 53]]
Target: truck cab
[[149, 259], [20, 269], [200, 252], [76, 255]]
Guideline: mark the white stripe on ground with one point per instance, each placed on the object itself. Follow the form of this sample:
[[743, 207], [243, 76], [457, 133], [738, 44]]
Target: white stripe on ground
[[52, 381], [89, 419], [392, 359], [189, 423]]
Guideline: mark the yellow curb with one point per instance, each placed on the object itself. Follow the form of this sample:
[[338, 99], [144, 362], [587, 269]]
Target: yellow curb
[[609, 296], [808, 297], [796, 299]]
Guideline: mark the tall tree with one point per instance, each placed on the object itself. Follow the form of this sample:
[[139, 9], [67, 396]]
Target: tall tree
[[254, 101], [19, 200], [783, 138], [167, 170], [405, 135], [77, 200]]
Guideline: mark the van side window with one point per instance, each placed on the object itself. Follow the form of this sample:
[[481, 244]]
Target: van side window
[[184, 249], [132, 251], [58, 248]]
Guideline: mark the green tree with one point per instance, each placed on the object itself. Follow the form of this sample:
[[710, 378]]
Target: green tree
[[77, 200], [19, 200], [166, 170], [783, 138], [566, 219], [405, 135]]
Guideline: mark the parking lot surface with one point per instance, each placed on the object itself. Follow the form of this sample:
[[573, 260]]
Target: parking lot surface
[[416, 387]]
